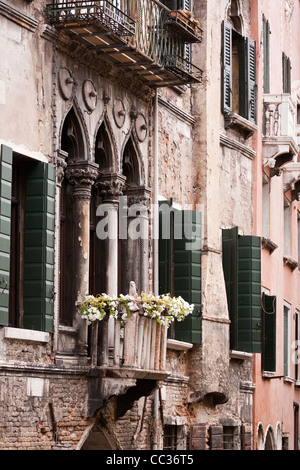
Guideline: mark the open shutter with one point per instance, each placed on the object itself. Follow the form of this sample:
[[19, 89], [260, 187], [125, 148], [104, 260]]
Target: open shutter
[[227, 67], [5, 227], [187, 273], [249, 294], [269, 332], [251, 80], [266, 49], [242, 273], [39, 248], [165, 249], [230, 268]]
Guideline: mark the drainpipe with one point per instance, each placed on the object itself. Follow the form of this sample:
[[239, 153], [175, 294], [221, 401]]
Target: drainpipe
[[155, 240], [155, 196]]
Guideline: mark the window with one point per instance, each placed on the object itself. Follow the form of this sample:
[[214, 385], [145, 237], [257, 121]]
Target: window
[[286, 74], [298, 224], [266, 54], [287, 340], [266, 207], [26, 241], [287, 228], [239, 74], [268, 332], [296, 345], [170, 437], [180, 264], [242, 272]]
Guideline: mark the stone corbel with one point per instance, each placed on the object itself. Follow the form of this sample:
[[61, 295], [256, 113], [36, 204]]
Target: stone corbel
[[291, 262]]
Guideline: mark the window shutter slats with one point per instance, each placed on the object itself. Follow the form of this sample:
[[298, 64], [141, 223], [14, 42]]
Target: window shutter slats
[[187, 274], [269, 332], [230, 268], [242, 273], [180, 265], [39, 248], [249, 294], [227, 67], [251, 80], [266, 49], [5, 228]]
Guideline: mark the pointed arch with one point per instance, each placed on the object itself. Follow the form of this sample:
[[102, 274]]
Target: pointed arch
[[73, 136], [234, 15], [132, 162], [105, 147], [270, 439]]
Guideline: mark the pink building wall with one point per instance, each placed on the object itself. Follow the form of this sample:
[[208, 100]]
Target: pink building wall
[[274, 396]]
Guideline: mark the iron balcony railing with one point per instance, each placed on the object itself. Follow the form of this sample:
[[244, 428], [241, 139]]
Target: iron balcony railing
[[142, 35]]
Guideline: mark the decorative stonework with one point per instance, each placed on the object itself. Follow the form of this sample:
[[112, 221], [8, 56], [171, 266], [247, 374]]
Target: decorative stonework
[[90, 95], [82, 176], [119, 112], [110, 187], [66, 83], [141, 127]]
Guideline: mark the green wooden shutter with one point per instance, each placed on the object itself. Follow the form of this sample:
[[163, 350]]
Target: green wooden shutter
[[242, 274], [296, 352], [266, 51], [5, 227], [230, 267], [39, 248], [165, 248], [187, 273], [227, 67], [251, 80], [249, 294], [268, 332]]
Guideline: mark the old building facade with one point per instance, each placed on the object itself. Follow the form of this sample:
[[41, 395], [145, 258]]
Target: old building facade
[[120, 119]]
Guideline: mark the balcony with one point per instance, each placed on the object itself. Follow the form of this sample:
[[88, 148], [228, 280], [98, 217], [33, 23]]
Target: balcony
[[280, 137], [142, 37]]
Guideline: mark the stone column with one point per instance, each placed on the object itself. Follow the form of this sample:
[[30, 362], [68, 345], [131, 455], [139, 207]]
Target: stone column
[[135, 248], [110, 189], [81, 176]]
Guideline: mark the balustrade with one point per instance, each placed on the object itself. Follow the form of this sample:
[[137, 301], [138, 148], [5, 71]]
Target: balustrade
[[139, 343], [154, 39]]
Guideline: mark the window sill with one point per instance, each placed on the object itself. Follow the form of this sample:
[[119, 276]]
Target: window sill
[[290, 262], [19, 334], [240, 355], [237, 121], [269, 244], [178, 345]]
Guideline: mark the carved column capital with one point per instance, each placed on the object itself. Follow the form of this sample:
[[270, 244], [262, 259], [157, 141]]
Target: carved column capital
[[110, 187], [82, 176], [140, 196]]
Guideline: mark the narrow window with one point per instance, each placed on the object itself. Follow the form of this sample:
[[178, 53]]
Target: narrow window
[[266, 54], [287, 340], [286, 74], [170, 437], [266, 207], [287, 228]]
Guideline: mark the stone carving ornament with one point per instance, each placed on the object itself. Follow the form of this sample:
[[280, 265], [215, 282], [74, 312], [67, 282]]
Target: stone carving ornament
[[66, 83]]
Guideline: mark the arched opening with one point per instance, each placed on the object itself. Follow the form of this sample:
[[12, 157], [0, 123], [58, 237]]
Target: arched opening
[[72, 141], [99, 439], [270, 440], [260, 438], [130, 164], [103, 150], [73, 149]]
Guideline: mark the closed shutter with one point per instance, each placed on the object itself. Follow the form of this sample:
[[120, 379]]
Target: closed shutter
[[266, 49], [230, 267], [249, 294], [227, 67], [180, 265], [166, 242], [39, 248], [251, 80], [296, 353], [187, 274], [198, 437], [5, 228], [269, 332], [242, 273]]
